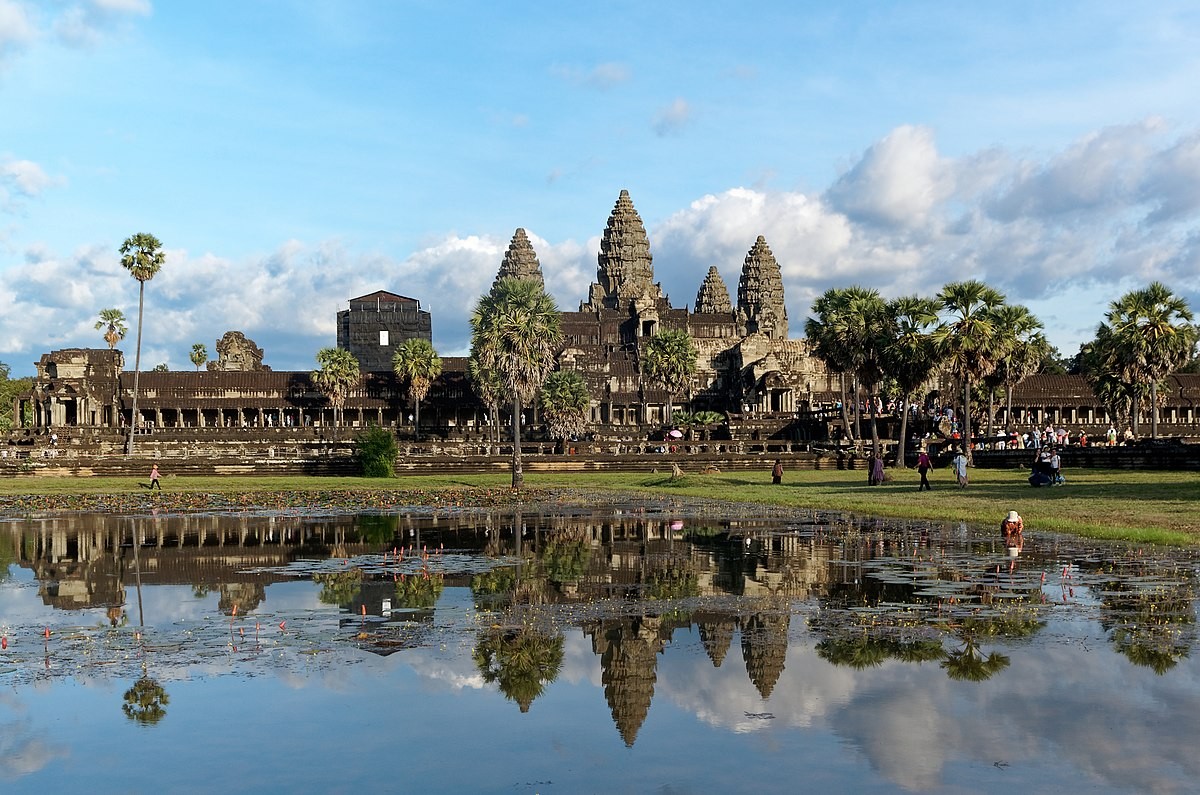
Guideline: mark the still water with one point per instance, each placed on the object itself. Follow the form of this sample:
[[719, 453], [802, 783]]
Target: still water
[[641, 647]]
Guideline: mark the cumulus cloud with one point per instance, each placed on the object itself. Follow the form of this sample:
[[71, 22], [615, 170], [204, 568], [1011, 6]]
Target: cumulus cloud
[[17, 29], [904, 218], [21, 179], [77, 24], [671, 119]]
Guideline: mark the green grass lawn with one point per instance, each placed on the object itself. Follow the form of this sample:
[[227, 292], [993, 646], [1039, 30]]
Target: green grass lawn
[[1150, 507]]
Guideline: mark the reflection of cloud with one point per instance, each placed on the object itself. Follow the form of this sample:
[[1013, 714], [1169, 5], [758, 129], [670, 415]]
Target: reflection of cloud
[[21, 753]]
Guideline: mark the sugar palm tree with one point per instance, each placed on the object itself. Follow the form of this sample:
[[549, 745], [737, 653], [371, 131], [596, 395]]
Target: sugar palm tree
[[337, 374], [909, 356], [831, 333], [490, 390], [564, 401], [515, 332], [669, 361], [142, 256], [1025, 348], [1153, 337], [113, 323], [969, 338], [418, 365], [199, 355]]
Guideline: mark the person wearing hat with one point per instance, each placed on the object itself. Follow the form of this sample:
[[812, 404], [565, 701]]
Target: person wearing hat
[[1013, 528]]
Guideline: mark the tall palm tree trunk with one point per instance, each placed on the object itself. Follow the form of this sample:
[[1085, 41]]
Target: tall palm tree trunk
[[845, 415], [1153, 408], [416, 420], [518, 477], [966, 423], [137, 367], [900, 444]]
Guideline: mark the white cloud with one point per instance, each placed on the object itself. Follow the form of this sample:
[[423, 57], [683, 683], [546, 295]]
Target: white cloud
[[17, 29], [85, 23], [23, 177], [671, 119]]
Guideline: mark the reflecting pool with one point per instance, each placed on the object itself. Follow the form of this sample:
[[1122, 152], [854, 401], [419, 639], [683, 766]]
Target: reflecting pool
[[634, 647]]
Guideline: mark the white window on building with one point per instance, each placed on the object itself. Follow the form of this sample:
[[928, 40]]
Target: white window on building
[[383, 338]]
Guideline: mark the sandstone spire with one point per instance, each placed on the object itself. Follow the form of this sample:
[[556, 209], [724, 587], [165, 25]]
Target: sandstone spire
[[713, 295], [520, 261], [760, 294], [625, 271]]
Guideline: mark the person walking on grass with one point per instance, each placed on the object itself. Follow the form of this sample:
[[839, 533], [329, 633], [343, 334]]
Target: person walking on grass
[[777, 472], [960, 468], [923, 466], [154, 484]]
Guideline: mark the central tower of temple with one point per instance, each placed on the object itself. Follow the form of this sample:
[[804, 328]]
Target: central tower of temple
[[625, 270]]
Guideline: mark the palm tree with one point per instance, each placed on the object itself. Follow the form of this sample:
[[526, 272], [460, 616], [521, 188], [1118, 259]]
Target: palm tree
[[418, 365], [113, 323], [199, 355], [968, 339], [1026, 347], [867, 329], [146, 701], [1153, 338], [909, 356], [520, 661], [564, 401], [669, 361], [142, 256], [337, 374], [490, 390], [832, 334], [515, 332]]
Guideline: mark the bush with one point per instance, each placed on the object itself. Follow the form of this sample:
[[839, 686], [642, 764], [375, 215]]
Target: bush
[[375, 450]]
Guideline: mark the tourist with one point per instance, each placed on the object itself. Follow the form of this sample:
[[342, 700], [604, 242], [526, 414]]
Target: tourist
[[1013, 528], [923, 466], [1129, 437], [960, 468], [154, 478], [777, 472], [877, 475], [1111, 436], [1055, 468]]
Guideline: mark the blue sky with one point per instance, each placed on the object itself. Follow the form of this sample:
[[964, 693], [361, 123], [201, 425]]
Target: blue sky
[[292, 155]]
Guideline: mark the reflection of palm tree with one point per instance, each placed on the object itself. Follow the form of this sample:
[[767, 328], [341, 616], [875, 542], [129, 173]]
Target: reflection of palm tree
[[968, 664], [339, 587], [1158, 651], [418, 590], [145, 702], [565, 557], [521, 661], [858, 651], [1152, 625]]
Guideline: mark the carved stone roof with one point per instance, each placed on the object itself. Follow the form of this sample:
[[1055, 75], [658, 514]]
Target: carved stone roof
[[237, 353], [761, 306], [520, 261], [713, 295], [625, 269]]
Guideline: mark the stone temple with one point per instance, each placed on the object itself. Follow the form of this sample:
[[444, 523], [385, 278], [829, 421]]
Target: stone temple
[[775, 394]]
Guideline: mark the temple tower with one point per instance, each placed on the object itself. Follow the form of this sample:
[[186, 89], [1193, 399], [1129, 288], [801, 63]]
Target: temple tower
[[520, 261], [761, 308], [714, 295], [625, 272]]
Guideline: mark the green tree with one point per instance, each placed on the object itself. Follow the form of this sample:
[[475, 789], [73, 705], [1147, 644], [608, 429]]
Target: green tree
[[1151, 337], [908, 355], [489, 388], [515, 332], [161, 367], [9, 389], [375, 450], [142, 256], [669, 362], [830, 331], [418, 365], [199, 355], [1024, 349], [968, 664], [336, 375], [564, 401], [969, 339], [113, 323]]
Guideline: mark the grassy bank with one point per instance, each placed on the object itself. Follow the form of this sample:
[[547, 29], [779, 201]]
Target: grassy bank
[[1149, 507]]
